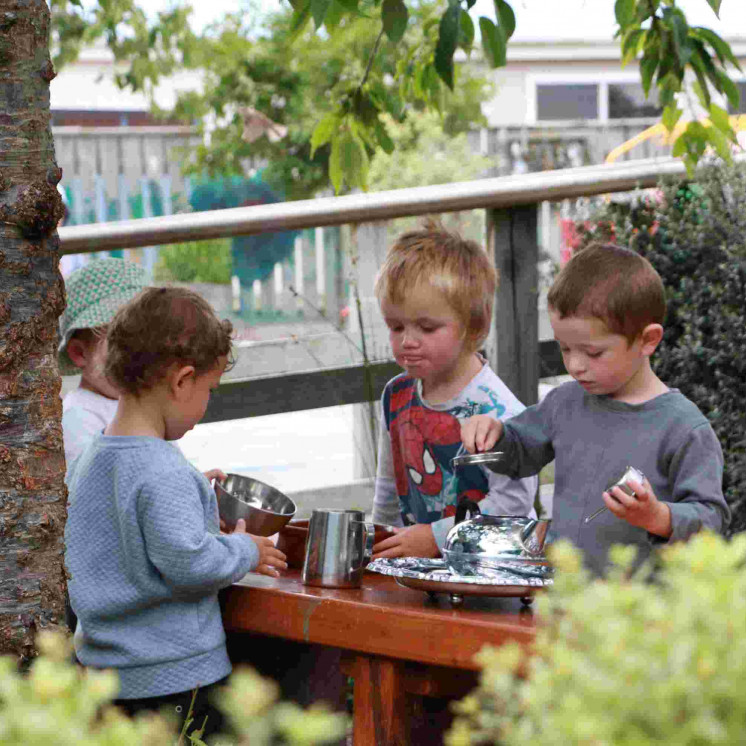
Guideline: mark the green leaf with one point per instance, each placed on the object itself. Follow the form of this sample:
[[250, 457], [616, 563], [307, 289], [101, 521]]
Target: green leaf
[[702, 56], [720, 46], [433, 88], [466, 37], [624, 11], [505, 18], [318, 10], [679, 147], [300, 19], [364, 108], [630, 45], [671, 115], [350, 5], [354, 161], [395, 17], [680, 36], [383, 138], [648, 66], [668, 87], [723, 146], [699, 86], [324, 131], [730, 89], [720, 119], [336, 168], [715, 5], [447, 42], [493, 42]]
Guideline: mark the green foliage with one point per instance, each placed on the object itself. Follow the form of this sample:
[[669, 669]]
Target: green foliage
[[58, 703], [695, 236], [423, 154], [625, 661], [330, 93], [669, 49], [330, 70], [196, 261]]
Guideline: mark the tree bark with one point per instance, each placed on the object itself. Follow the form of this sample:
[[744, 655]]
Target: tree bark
[[32, 467]]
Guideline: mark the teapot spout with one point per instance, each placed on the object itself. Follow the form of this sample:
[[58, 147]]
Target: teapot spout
[[534, 535]]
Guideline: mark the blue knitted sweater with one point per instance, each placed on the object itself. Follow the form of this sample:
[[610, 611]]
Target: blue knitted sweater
[[146, 560]]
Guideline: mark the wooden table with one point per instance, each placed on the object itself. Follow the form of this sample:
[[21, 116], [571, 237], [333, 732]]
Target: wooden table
[[395, 641]]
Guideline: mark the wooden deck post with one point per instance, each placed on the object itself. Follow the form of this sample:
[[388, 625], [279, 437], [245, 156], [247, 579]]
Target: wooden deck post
[[513, 239]]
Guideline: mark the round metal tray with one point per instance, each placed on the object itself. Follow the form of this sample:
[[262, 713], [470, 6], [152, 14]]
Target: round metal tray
[[457, 591]]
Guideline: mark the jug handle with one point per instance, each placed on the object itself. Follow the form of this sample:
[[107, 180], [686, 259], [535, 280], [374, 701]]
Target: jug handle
[[465, 505], [370, 540]]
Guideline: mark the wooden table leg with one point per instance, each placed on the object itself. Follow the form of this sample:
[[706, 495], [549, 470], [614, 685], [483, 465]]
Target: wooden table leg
[[380, 702]]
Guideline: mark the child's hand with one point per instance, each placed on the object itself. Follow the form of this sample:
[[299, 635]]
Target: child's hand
[[218, 474], [644, 510], [221, 476], [412, 541], [270, 558], [480, 433]]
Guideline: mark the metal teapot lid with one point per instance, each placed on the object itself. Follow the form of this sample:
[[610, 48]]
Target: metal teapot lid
[[471, 459]]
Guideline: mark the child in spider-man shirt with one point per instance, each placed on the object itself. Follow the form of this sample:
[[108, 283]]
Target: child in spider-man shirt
[[436, 292]]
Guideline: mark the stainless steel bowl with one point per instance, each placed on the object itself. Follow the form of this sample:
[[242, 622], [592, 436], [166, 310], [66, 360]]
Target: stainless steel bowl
[[265, 509]]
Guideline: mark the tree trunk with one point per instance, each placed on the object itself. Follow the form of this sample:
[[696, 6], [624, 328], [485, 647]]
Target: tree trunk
[[32, 465]]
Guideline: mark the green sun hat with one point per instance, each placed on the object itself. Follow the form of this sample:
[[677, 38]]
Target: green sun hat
[[95, 293]]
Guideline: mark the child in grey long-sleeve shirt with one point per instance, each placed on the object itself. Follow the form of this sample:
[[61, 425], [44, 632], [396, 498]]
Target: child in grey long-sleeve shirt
[[606, 308], [143, 545]]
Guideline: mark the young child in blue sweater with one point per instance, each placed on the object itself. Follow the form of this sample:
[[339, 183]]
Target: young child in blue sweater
[[143, 545]]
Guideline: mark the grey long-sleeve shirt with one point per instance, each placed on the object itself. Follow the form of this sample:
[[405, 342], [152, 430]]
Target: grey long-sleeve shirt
[[592, 438]]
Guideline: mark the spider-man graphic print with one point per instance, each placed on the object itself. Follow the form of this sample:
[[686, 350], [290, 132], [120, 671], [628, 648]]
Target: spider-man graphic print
[[423, 442]]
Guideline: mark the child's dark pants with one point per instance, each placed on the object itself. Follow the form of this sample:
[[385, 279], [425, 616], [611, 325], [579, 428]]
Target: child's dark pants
[[178, 705]]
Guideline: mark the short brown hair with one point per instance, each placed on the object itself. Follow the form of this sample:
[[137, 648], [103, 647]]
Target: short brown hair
[[613, 284], [160, 327], [457, 267]]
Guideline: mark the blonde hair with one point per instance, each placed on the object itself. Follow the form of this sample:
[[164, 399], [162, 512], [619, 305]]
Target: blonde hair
[[444, 261]]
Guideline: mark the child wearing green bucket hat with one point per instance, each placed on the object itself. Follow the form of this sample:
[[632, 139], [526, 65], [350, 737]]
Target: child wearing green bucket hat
[[95, 293]]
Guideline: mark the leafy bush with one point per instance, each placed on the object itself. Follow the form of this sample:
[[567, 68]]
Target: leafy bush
[[623, 662], [57, 704], [695, 236], [196, 261]]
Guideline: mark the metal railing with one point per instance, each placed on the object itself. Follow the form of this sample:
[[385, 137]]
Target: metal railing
[[510, 202]]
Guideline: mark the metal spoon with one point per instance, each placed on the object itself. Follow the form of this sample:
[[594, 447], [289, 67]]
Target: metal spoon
[[593, 515]]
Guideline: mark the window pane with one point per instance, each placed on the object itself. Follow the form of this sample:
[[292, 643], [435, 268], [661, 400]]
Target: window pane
[[627, 101], [578, 101]]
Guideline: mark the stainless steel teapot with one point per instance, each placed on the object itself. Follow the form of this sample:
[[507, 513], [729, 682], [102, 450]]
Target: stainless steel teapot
[[488, 541]]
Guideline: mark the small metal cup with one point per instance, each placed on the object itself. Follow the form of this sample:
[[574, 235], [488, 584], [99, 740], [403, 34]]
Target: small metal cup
[[339, 543], [621, 480]]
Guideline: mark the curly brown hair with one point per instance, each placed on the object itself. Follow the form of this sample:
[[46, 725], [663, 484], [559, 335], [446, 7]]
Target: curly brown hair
[[160, 327]]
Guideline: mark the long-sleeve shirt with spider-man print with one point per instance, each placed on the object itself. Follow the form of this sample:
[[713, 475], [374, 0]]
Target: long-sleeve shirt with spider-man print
[[415, 481]]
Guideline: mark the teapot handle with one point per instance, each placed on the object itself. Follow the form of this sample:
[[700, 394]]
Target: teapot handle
[[465, 505]]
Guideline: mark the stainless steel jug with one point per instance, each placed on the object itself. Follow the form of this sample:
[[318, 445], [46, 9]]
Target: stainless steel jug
[[339, 543]]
